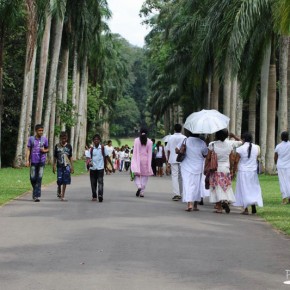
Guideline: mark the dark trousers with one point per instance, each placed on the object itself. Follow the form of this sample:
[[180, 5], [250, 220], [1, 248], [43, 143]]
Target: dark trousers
[[36, 173], [97, 182]]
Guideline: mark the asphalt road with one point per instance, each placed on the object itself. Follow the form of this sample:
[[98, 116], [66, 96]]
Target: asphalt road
[[130, 243]]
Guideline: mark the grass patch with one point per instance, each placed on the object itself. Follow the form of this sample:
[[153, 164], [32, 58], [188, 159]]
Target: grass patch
[[273, 211], [15, 182]]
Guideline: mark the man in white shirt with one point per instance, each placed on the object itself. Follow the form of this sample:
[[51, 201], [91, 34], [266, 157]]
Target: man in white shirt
[[173, 141]]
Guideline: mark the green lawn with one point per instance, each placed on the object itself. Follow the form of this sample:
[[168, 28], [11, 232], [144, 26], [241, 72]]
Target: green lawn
[[15, 182]]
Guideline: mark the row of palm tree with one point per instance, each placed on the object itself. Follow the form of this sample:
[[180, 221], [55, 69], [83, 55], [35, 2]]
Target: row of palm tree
[[69, 52], [222, 54]]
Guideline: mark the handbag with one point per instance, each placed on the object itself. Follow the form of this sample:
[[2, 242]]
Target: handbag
[[211, 164], [181, 155]]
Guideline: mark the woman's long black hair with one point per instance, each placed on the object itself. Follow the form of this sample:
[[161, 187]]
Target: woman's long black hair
[[143, 136], [247, 137]]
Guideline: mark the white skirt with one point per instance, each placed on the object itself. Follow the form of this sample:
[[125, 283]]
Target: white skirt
[[203, 192], [191, 186], [284, 181], [248, 189]]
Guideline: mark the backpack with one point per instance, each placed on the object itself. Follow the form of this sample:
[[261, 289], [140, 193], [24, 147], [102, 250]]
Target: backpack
[[89, 160]]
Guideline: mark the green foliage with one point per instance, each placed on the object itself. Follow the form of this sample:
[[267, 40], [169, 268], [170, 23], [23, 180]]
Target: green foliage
[[125, 120]]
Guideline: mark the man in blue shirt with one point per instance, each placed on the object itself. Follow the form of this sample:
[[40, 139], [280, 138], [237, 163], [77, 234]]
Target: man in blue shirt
[[99, 158]]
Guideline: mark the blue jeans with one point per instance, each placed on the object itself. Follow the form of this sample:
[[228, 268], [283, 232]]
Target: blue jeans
[[36, 173]]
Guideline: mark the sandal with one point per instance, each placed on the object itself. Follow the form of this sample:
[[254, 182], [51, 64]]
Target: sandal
[[195, 209], [218, 211], [189, 209], [245, 212]]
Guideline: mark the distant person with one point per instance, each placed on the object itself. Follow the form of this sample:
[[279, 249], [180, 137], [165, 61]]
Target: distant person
[[127, 159], [248, 189], [282, 159], [99, 158], [37, 147], [63, 164], [173, 142], [160, 158], [112, 154], [153, 162], [141, 161]]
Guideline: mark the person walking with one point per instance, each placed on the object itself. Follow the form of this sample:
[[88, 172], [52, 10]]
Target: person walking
[[141, 161], [176, 177], [37, 147], [248, 189], [63, 164], [282, 159], [99, 158], [153, 162], [191, 170], [221, 192], [160, 158], [111, 152]]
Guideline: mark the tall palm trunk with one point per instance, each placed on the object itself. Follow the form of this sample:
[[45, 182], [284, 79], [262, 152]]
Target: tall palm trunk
[[288, 85], [57, 30], [264, 104], [282, 116], [43, 69], [214, 100], [239, 115], [81, 106], [30, 102], [1, 85], [82, 141], [233, 105], [209, 89], [62, 85], [227, 89], [75, 86], [271, 112], [252, 113], [28, 78]]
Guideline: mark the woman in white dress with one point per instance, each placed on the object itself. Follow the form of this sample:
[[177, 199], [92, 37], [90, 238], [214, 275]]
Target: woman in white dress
[[191, 170], [221, 192], [282, 159], [248, 189]]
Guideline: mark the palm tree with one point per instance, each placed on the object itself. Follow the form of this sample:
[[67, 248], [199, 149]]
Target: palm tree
[[10, 12]]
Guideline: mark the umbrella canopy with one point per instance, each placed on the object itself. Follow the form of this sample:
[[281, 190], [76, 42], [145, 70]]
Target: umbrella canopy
[[166, 138], [206, 122]]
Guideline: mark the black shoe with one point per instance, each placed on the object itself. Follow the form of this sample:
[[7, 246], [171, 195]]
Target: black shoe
[[36, 200], [201, 202], [175, 198], [138, 192], [254, 210], [100, 199], [226, 207]]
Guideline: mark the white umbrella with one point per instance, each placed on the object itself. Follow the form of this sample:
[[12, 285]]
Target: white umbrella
[[166, 138], [206, 122]]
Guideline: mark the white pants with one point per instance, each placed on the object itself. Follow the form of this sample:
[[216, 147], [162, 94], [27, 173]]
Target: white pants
[[176, 179], [141, 182]]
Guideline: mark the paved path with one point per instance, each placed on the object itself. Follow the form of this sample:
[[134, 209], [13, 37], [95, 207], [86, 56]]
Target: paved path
[[130, 243]]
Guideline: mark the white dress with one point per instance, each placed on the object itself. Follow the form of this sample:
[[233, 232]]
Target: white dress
[[221, 188], [192, 167], [248, 189], [283, 167]]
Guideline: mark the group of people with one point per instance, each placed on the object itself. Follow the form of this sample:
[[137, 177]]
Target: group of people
[[234, 157]]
